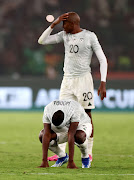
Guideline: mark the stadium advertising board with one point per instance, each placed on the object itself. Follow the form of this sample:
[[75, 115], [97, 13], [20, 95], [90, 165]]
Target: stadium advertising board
[[15, 98], [35, 94]]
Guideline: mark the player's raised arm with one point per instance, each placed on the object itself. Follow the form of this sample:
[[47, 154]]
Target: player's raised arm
[[46, 38]]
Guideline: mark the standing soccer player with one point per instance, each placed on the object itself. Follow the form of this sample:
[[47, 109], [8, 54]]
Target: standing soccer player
[[77, 83]]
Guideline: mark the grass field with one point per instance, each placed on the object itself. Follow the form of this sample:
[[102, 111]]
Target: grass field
[[21, 152]]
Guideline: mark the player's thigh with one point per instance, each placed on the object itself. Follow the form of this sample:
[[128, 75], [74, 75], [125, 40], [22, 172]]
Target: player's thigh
[[62, 137], [85, 92], [66, 91]]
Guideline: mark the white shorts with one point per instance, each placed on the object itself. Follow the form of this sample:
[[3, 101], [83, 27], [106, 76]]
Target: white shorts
[[63, 136], [80, 89]]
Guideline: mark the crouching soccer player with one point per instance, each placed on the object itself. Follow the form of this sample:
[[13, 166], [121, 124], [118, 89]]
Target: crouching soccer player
[[65, 120]]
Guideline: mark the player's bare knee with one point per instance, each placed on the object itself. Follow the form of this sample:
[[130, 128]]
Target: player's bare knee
[[41, 135], [53, 135], [80, 137]]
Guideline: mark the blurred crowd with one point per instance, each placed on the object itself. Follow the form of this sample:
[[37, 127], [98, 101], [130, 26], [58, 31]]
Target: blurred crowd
[[23, 21]]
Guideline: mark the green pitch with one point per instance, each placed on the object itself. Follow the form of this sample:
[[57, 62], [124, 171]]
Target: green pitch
[[21, 152]]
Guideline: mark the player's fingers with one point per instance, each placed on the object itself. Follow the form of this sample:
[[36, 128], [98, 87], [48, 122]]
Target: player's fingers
[[65, 15], [98, 92], [103, 95], [63, 19]]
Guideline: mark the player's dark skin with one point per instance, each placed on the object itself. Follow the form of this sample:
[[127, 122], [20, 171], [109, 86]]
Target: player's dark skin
[[48, 135], [71, 24]]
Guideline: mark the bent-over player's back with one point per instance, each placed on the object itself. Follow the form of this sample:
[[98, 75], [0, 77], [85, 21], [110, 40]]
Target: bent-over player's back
[[73, 112]]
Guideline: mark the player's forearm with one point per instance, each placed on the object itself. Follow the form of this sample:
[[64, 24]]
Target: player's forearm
[[53, 25], [103, 64], [45, 145], [71, 147], [45, 35]]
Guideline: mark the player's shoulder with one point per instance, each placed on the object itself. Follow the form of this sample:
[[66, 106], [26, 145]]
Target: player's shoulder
[[89, 33], [48, 106], [60, 34]]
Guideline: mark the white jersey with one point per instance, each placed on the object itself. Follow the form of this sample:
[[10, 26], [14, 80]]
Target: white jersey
[[78, 51], [79, 48], [73, 112]]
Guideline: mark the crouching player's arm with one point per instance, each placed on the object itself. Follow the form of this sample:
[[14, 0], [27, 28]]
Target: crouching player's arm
[[45, 144], [71, 140]]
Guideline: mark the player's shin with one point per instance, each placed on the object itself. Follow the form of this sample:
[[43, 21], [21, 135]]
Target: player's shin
[[62, 139], [63, 146], [84, 154], [53, 146], [90, 145], [84, 149]]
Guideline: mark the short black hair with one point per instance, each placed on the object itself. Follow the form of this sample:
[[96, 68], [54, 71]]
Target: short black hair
[[58, 118]]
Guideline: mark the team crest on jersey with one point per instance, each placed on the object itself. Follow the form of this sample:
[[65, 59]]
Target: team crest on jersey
[[81, 39], [67, 39]]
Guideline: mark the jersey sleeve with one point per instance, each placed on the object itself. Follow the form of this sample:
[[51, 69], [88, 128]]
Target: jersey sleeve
[[100, 55], [76, 116], [45, 118], [54, 39], [59, 37], [46, 38], [94, 42]]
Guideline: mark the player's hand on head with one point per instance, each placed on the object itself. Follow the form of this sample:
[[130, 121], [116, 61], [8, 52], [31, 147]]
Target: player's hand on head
[[44, 164], [102, 90], [71, 165], [63, 17]]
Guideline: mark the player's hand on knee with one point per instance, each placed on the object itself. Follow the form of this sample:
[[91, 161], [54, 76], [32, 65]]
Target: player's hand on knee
[[72, 165], [44, 164]]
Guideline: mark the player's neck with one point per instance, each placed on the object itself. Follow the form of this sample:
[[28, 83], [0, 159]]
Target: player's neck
[[76, 30]]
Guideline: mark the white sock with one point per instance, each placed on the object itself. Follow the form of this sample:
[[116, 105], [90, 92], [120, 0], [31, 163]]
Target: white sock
[[56, 149], [90, 145], [63, 146], [84, 149]]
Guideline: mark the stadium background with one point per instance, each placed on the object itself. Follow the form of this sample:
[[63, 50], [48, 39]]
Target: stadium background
[[30, 77], [30, 74]]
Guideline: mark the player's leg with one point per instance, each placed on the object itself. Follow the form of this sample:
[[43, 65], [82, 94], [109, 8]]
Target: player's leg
[[81, 139], [53, 135], [62, 156], [85, 96], [90, 139], [53, 146]]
